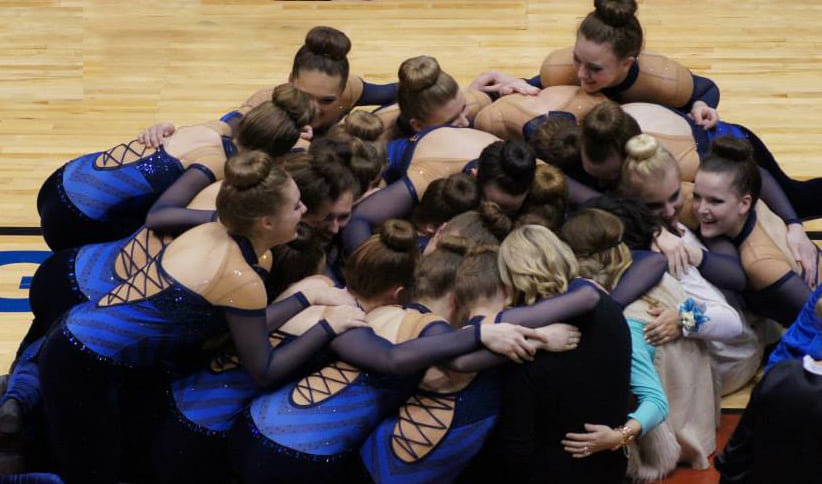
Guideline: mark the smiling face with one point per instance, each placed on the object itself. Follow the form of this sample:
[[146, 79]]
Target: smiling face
[[663, 197], [597, 66], [717, 205], [282, 226], [325, 91]]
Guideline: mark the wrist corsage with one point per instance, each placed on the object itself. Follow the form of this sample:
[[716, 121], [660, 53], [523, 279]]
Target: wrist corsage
[[691, 316]]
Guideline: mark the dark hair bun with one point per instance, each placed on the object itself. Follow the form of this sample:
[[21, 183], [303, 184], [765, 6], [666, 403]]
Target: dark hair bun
[[734, 149], [497, 222], [328, 42], [615, 13], [399, 235], [247, 169], [419, 73]]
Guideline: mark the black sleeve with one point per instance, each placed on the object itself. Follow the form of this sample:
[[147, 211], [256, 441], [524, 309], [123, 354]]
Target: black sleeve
[[644, 273], [267, 365], [535, 81], [515, 436], [781, 301], [773, 196], [169, 213], [577, 301], [364, 349], [377, 94], [579, 193], [278, 313], [394, 201], [704, 90], [721, 265]]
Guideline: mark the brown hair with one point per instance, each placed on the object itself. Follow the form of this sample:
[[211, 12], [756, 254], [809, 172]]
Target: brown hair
[[320, 181], [435, 273], [295, 260], [254, 187], [614, 22], [384, 261], [595, 236], [364, 154], [605, 130], [325, 50], [557, 142], [735, 156], [446, 198], [477, 277], [547, 199], [274, 126], [487, 225], [423, 87]]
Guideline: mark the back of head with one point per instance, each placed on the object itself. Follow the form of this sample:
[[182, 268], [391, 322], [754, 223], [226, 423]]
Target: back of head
[[477, 277], [487, 225], [734, 156], [510, 164], [384, 262], [640, 225], [646, 162], [365, 154], [549, 188], [535, 264], [434, 276], [605, 130], [614, 22], [446, 198], [254, 187], [320, 181], [423, 87], [295, 260], [595, 236], [557, 142], [325, 50], [274, 126]]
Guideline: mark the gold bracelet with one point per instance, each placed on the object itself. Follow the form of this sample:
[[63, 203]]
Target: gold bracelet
[[627, 436]]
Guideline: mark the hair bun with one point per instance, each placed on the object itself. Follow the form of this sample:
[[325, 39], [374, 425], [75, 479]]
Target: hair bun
[[735, 149], [399, 235], [419, 73], [497, 222], [364, 125], [296, 104], [248, 169], [641, 147], [616, 13], [328, 42]]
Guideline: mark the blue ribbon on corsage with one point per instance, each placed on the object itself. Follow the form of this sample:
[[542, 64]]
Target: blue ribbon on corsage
[[691, 316]]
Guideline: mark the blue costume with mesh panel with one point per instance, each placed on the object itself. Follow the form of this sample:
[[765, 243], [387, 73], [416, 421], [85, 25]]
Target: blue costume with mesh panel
[[474, 409]]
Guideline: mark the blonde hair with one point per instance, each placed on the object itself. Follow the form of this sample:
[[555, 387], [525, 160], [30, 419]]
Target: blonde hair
[[595, 236], [646, 162], [535, 264]]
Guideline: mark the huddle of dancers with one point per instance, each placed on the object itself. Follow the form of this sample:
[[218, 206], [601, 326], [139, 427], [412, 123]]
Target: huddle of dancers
[[551, 279]]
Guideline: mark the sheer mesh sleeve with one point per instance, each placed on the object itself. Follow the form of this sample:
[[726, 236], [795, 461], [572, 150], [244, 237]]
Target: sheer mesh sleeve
[[781, 301], [278, 313], [377, 94], [269, 365], [580, 298], [364, 349], [705, 90], [394, 201], [644, 273], [535, 81], [579, 193], [776, 199], [169, 215], [721, 265]]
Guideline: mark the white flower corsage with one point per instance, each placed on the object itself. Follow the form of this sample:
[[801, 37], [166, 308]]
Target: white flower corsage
[[691, 316]]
